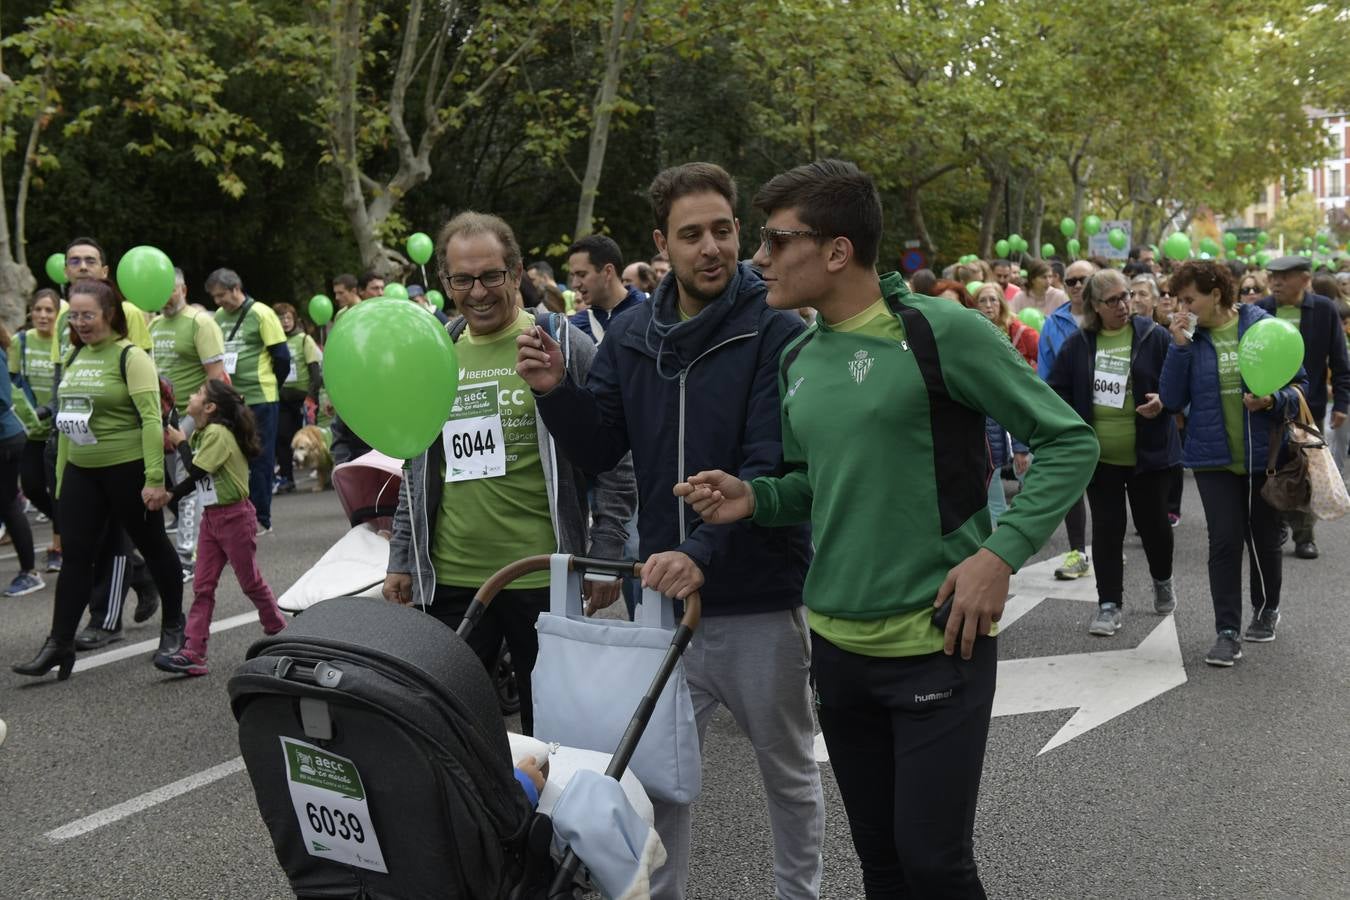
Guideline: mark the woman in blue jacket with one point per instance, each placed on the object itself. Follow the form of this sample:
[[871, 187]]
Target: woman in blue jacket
[[1108, 372], [1227, 442]]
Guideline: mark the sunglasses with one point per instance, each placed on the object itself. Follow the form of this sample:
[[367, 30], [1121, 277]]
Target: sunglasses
[[1248, 291], [1074, 282]]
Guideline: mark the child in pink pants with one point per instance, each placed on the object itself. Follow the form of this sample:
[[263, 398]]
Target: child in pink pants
[[217, 465]]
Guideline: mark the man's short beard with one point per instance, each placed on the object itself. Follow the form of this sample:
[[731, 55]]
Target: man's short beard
[[699, 295]]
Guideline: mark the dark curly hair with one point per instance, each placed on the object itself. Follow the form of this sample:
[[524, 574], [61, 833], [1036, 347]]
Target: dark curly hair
[[1205, 275], [234, 414]]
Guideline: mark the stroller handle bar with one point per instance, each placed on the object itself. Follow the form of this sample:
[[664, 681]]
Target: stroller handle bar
[[693, 606]]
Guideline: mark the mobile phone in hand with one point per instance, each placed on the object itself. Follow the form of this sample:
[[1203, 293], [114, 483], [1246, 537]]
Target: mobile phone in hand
[[943, 613]]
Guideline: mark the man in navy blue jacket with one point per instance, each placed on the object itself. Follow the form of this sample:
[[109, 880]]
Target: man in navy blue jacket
[[1323, 348], [593, 266], [688, 382]]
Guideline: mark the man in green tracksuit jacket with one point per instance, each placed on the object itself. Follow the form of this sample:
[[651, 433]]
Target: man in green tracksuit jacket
[[883, 407]]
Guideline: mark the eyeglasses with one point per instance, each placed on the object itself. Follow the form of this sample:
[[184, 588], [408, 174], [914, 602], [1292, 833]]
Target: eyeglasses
[[84, 316], [1248, 291], [1074, 282], [1118, 300], [987, 301], [768, 237], [492, 278]]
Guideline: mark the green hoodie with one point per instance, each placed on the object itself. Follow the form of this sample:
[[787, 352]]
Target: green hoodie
[[886, 456]]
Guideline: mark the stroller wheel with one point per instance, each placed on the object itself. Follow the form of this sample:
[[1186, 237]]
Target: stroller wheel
[[504, 682]]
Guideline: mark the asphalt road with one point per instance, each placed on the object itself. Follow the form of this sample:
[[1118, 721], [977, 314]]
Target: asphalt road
[[1233, 784]]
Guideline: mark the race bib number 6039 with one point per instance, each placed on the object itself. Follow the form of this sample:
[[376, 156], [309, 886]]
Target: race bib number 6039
[[331, 807]]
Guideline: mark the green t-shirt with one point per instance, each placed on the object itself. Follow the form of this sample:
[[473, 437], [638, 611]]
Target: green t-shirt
[[137, 330], [1110, 384], [247, 361], [485, 523], [183, 344], [30, 355], [904, 634], [1292, 313], [303, 352], [1230, 393], [98, 412], [214, 450]]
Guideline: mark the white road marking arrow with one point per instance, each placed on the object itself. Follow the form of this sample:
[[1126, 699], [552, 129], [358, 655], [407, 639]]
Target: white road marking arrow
[[1100, 686]]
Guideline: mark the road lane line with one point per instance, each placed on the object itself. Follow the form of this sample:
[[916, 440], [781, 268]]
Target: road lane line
[[83, 663], [145, 801]]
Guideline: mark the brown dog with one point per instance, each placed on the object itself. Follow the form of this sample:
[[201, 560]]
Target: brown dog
[[310, 451]]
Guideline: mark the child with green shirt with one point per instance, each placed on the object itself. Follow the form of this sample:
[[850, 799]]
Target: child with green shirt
[[217, 464]]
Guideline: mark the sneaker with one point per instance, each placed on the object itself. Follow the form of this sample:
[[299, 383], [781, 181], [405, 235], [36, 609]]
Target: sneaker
[[4, 535], [1107, 622], [1262, 629], [53, 560], [41, 518], [93, 637], [283, 486], [184, 662], [1164, 597], [1076, 565], [25, 583], [264, 529], [1173, 519], [1227, 649], [189, 572]]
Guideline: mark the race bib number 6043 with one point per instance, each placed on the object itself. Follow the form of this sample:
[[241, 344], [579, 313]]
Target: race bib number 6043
[[474, 445], [330, 805]]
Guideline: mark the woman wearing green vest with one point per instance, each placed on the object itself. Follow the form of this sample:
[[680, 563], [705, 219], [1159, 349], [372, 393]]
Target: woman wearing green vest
[[109, 471], [31, 369], [1108, 371], [303, 381]]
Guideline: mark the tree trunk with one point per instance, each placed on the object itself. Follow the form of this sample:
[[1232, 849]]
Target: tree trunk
[[1037, 223], [1019, 195], [914, 211], [993, 206], [623, 26]]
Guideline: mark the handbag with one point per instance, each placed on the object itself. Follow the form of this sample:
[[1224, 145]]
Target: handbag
[[1288, 488], [591, 675]]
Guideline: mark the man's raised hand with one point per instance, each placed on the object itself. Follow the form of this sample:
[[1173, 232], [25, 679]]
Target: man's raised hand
[[539, 360], [717, 497]]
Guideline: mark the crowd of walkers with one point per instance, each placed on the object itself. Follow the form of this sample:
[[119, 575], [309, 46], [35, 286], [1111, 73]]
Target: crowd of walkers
[[745, 426]]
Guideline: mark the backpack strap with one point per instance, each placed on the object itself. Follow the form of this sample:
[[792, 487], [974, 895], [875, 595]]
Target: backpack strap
[[243, 314]]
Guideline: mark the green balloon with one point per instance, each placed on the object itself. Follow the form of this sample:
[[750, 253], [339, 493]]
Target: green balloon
[[1209, 245], [1230, 241], [320, 309], [145, 277], [1116, 238], [1262, 258], [395, 291], [973, 287], [419, 248], [56, 268], [1270, 355], [1177, 246], [1032, 317], [1047, 250], [1067, 227], [1001, 248], [1307, 242], [1092, 225], [1262, 239], [396, 394], [1015, 242], [1248, 249], [1073, 246], [1323, 239], [436, 299]]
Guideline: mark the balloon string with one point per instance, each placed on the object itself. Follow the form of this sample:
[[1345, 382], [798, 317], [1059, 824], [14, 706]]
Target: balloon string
[[426, 285]]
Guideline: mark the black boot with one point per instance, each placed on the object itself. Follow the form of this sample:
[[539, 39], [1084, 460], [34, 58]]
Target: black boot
[[147, 601], [170, 640], [53, 653]]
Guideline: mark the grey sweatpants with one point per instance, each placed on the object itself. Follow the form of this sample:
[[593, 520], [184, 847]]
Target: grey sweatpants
[[758, 667]]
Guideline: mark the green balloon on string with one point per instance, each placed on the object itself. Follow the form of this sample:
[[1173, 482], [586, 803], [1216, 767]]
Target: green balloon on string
[[1033, 317], [1092, 225], [1015, 242], [1067, 227], [1047, 250], [1177, 246], [1269, 355], [1073, 246], [1117, 239], [436, 299], [320, 309], [973, 287], [395, 291], [56, 268], [145, 277], [1230, 241], [1001, 248], [419, 248]]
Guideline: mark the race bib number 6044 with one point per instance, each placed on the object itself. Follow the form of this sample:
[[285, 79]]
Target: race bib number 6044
[[474, 445], [330, 805]]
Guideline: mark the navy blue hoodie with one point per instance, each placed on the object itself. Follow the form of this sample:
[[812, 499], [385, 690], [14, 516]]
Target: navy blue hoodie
[[685, 397]]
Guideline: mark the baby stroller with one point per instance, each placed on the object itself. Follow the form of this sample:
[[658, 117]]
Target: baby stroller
[[381, 765], [368, 488]]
